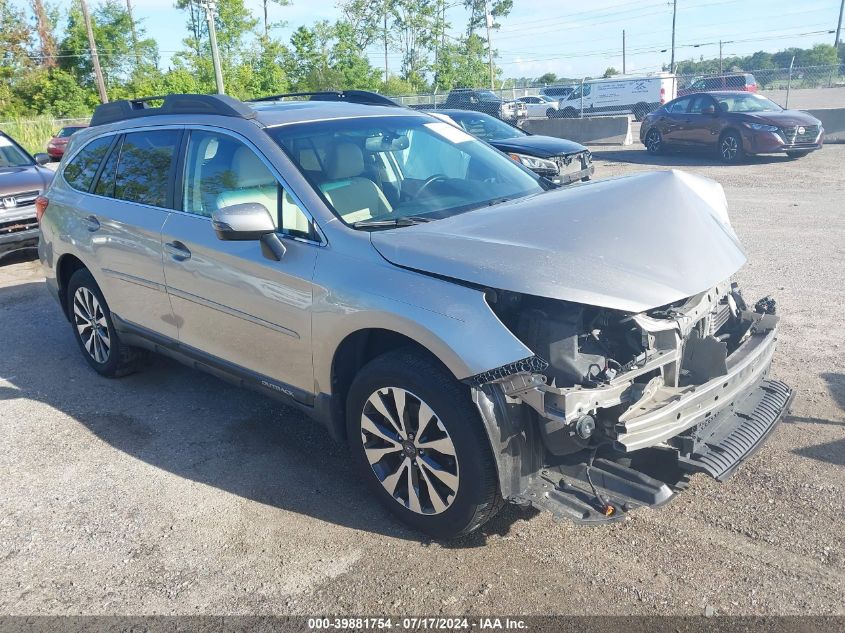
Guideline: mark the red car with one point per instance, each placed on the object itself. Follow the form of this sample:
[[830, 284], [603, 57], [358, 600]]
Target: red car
[[56, 146], [735, 124], [734, 81]]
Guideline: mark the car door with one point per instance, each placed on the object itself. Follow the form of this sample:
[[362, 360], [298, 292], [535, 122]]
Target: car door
[[672, 120], [234, 305], [702, 125], [126, 207]]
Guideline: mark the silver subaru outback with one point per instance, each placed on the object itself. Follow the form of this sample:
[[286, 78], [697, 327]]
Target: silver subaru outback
[[476, 335]]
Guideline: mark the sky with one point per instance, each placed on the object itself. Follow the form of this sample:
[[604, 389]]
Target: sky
[[578, 39]]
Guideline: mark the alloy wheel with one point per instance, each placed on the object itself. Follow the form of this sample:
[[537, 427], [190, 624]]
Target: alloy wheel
[[729, 148], [91, 324], [410, 451], [653, 141]]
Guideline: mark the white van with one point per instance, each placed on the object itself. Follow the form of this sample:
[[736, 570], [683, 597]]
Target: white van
[[620, 95]]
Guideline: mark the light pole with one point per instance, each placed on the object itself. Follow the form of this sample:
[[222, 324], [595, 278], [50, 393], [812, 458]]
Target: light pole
[[839, 26], [489, 21], [674, 15], [210, 6]]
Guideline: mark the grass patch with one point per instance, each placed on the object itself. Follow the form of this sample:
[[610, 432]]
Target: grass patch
[[34, 133]]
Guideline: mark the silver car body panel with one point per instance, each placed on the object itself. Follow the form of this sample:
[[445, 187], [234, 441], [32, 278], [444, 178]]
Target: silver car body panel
[[630, 243]]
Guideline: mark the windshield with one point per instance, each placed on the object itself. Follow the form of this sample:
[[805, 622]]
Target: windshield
[[746, 103], [67, 131], [486, 127], [11, 155], [488, 95], [387, 168]]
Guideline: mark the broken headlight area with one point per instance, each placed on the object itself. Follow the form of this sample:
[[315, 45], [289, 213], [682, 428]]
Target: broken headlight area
[[682, 384]]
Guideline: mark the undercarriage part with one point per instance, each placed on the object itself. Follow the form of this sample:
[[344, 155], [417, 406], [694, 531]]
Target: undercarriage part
[[718, 445], [567, 493]]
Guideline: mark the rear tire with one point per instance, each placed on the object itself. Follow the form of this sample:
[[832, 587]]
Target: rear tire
[[568, 113], [94, 329], [432, 467], [730, 148], [551, 113]]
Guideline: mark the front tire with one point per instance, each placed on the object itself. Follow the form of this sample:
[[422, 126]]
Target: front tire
[[551, 113], [799, 154], [654, 142], [94, 329], [568, 113], [419, 442], [730, 148]]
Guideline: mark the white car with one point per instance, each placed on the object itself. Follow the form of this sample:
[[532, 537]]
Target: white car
[[540, 106]]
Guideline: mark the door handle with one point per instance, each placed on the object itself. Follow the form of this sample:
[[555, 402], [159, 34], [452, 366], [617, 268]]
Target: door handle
[[92, 223], [178, 251]]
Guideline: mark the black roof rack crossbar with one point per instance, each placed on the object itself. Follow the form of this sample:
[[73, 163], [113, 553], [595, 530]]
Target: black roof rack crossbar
[[363, 97], [221, 105]]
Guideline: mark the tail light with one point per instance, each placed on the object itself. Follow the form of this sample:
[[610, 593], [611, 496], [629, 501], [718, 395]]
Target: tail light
[[41, 203], [662, 96]]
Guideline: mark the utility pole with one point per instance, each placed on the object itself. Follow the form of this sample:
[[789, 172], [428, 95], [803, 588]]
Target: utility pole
[[839, 26], [674, 15], [95, 59], [623, 52], [720, 57], [134, 32], [210, 6], [386, 76], [489, 20]]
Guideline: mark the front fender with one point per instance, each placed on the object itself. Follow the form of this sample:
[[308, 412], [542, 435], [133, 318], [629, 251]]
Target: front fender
[[452, 321]]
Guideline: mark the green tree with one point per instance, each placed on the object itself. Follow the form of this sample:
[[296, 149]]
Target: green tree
[[610, 71], [111, 24], [413, 22], [54, 92]]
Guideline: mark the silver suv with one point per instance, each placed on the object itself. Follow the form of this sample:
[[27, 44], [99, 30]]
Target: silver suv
[[476, 335]]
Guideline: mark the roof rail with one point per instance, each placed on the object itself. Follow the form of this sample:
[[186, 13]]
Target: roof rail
[[363, 97], [221, 105]]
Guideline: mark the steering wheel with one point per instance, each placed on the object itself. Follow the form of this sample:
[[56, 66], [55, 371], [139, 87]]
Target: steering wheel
[[430, 181]]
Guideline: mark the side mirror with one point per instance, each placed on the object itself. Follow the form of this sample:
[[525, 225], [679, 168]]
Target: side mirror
[[241, 222], [41, 158], [246, 222]]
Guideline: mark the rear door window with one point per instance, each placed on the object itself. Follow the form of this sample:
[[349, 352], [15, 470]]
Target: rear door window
[[79, 172], [144, 169]]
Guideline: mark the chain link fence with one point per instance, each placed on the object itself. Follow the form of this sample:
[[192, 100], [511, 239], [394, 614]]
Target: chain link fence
[[807, 87]]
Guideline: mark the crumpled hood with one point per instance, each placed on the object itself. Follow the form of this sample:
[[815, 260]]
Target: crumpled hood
[[631, 243]]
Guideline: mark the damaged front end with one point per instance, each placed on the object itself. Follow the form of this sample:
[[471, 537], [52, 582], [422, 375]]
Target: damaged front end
[[616, 409]]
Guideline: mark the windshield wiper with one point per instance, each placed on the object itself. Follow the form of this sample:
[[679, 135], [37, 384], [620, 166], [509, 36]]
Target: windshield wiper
[[408, 220]]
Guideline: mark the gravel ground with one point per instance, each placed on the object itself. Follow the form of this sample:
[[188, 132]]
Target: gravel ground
[[171, 492]]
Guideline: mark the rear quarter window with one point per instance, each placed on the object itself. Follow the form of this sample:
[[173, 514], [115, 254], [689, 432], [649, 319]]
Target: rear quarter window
[[79, 172]]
